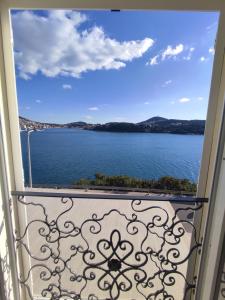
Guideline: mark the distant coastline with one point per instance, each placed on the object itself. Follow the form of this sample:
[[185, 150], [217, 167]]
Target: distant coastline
[[152, 125]]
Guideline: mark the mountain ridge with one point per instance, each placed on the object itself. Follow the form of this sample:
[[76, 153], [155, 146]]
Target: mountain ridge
[[155, 124]]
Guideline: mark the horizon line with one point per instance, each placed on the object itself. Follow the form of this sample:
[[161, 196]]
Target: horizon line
[[59, 123]]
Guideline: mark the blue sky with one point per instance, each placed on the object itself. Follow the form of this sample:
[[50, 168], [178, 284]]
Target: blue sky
[[102, 66]]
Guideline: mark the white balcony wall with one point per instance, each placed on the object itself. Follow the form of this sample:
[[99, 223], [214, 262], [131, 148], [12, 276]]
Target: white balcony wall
[[142, 228]]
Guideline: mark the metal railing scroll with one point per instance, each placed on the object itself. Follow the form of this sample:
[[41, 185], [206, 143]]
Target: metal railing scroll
[[82, 246]]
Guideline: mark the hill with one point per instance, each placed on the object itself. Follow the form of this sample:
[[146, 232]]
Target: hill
[[28, 124], [157, 125], [152, 125], [152, 121]]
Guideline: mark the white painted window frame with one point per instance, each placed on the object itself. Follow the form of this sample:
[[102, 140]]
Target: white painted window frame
[[9, 108]]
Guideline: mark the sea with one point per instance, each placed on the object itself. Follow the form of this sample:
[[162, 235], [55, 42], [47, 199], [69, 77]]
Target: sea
[[61, 156]]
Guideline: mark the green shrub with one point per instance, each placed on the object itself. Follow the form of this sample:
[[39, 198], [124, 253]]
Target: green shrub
[[163, 183]]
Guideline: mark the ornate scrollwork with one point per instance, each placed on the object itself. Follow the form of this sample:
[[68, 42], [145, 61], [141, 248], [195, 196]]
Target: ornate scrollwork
[[139, 253], [114, 265]]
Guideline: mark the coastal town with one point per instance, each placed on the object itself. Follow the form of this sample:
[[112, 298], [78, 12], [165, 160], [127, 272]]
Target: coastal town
[[26, 124]]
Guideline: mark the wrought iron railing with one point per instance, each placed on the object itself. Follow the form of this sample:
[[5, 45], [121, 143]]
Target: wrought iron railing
[[81, 246]]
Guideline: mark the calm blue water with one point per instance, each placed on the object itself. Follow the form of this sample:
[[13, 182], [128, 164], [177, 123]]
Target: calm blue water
[[61, 156]]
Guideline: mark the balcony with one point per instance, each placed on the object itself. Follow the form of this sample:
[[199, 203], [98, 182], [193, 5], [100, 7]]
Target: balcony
[[107, 246]]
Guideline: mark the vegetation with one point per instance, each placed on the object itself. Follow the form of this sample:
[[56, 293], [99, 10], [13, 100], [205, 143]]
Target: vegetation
[[152, 125], [156, 125], [163, 183]]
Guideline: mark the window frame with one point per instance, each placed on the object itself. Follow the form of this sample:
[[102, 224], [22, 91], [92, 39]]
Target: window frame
[[9, 106]]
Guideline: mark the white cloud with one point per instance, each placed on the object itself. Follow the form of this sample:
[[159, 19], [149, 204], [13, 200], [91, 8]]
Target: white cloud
[[169, 53], [94, 108], [184, 100], [166, 83], [153, 61], [172, 52], [189, 54], [202, 58], [212, 50], [188, 57], [27, 107], [200, 98], [146, 102], [38, 101], [172, 102], [59, 47], [67, 86]]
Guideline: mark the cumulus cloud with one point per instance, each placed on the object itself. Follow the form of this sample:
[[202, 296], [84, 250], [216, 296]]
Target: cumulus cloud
[[146, 102], [59, 47], [67, 86], [184, 100], [38, 101], [202, 58], [94, 108], [170, 52], [153, 61], [200, 98]]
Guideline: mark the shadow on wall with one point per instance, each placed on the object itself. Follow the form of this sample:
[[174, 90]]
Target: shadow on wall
[[186, 216]]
